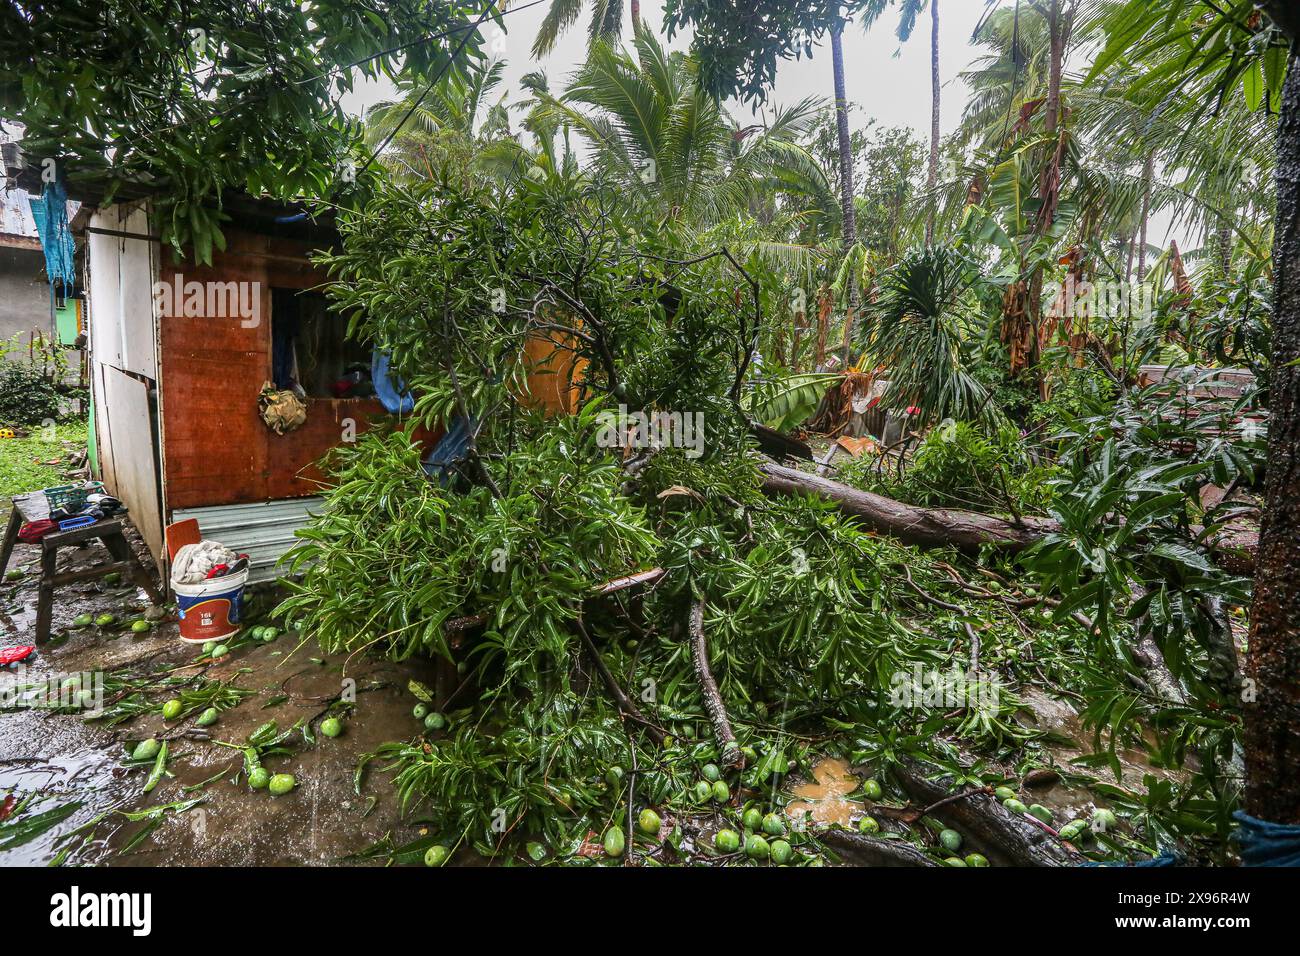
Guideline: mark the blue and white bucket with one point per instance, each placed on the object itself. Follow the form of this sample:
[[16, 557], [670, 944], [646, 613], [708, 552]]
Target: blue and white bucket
[[210, 610]]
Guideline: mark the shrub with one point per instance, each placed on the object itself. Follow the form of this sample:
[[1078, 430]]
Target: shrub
[[27, 396], [961, 465]]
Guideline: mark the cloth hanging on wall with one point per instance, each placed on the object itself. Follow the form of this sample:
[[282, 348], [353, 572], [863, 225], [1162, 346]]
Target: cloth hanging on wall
[[281, 410]]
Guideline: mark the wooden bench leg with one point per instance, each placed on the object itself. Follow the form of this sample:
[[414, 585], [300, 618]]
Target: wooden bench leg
[[121, 551], [11, 538], [45, 595]]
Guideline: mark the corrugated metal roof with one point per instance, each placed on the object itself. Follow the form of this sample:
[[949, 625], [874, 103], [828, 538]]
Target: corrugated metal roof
[[263, 531], [15, 208], [16, 213]]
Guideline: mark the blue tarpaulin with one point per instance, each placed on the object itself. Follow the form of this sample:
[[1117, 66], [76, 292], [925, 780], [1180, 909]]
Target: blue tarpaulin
[[1266, 844], [449, 451], [392, 393], [50, 212]]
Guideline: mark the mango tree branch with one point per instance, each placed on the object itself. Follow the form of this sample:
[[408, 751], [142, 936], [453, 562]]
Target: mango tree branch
[[729, 751], [967, 531], [621, 700]]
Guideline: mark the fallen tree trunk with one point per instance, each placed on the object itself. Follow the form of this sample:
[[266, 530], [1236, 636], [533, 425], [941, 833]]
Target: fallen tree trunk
[[966, 531], [1006, 838], [923, 527], [859, 849]]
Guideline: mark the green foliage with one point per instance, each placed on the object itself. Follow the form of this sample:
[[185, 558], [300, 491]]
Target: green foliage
[[1135, 536], [25, 462], [739, 47], [917, 328], [671, 149], [786, 402], [1233, 321], [889, 170], [1204, 58], [961, 465], [452, 122], [28, 394], [528, 558], [211, 100], [606, 23]]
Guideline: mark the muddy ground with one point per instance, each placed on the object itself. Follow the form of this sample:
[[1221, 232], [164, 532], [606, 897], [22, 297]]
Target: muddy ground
[[66, 758], [73, 762]]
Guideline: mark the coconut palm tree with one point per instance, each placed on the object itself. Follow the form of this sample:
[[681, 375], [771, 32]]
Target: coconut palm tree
[[909, 12], [672, 149], [606, 21], [456, 113]]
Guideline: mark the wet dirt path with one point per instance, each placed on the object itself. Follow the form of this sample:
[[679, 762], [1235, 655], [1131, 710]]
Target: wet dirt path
[[66, 759]]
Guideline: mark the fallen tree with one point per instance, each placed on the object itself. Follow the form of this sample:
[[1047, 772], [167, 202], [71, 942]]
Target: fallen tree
[[923, 527], [967, 531], [1005, 837]]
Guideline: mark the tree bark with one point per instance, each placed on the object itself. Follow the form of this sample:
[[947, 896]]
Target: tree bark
[[933, 180], [923, 527], [1272, 719], [1148, 176], [1004, 837], [950, 527], [1223, 245], [1285, 14], [635, 6], [849, 230], [729, 754], [858, 849]]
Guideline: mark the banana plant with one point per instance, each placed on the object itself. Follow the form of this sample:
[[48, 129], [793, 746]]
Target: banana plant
[[788, 402]]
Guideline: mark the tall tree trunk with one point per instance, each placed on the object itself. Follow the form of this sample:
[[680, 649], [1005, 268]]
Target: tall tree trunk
[[1024, 318], [1148, 177], [850, 228], [636, 16], [1272, 720], [1223, 245], [933, 179], [1056, 62]]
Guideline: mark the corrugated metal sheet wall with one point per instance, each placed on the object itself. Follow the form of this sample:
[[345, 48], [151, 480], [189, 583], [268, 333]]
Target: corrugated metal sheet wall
[[263, 531]]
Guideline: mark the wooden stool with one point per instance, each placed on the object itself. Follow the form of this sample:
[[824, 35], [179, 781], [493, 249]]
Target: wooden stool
[[108, 531]]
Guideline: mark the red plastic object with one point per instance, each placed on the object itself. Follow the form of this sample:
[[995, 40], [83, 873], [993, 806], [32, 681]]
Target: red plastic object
[[12, 655], [33, 531]]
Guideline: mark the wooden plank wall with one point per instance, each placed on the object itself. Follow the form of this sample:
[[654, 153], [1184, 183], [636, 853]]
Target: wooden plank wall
[[135, 476], [124, 362]]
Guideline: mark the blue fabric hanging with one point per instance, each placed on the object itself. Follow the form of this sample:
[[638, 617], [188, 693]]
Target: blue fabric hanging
[[50, 212], [449, 451], [393, 394], [1266, 844]]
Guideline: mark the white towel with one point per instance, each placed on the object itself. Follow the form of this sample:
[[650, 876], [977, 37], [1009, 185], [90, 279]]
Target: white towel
[[193, 562]]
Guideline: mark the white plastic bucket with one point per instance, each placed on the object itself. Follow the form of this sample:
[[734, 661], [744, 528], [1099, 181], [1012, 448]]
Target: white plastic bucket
[[210, 610]]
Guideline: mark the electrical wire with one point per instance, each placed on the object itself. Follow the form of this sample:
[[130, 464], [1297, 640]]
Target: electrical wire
[[491, 5]]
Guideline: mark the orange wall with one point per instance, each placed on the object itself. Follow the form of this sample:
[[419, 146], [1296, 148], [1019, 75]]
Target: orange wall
[[216, 449]]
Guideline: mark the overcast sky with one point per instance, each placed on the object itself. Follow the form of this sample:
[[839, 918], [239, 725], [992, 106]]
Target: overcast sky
[[889, 80]]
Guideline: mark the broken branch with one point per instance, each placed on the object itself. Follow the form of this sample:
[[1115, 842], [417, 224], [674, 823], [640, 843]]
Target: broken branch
[[729, 751]]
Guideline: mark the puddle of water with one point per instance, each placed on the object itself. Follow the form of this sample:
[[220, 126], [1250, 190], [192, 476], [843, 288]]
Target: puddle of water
[[825, 798], [1070, 802]]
